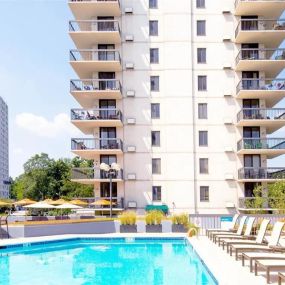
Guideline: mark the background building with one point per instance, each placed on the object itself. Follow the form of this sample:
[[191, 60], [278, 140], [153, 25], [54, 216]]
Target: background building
[[182, 95], [4, 150]]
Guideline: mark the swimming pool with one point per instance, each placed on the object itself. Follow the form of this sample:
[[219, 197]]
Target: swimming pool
[[124, 261]]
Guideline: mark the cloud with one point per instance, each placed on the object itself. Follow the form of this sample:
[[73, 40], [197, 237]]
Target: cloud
[[42, 127]]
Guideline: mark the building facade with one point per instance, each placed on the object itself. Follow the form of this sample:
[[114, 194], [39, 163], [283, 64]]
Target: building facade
[[4, 150], [182, 95]]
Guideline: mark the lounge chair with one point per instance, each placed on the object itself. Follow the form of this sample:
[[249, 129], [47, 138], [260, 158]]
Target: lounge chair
[[247, 233], [272, 245], [231, 228], [258, 240], [269, 265], [217, 237]]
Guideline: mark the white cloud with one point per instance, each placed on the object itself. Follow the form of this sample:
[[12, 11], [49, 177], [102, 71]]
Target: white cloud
[[42, 127]]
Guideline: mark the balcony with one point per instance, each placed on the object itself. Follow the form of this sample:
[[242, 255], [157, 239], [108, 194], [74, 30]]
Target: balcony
[[273, 119], [268, 32], [271, 147], [271, 61], [89, 148], [267, 8], [260, 203], [88, 90], [87, 33], [270, 90], [87, 9], [255, 174], [92, 175], [87, 120], [85, 62]]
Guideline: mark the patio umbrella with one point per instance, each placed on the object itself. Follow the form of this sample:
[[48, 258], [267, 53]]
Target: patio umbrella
[[59, 202], [25, 202], [68, 206], [48, 201], [4, 204], [78, 203], [40, 205], [102, 202]]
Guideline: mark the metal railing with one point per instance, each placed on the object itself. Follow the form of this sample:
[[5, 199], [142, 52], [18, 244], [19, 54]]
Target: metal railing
[[94, 26], [261, 203], [261, 84], [92, 173], [260, 54], [261, 173], [261, 114], [91, 144], [259, 143], [95, 55], [95, 85], [260, 25], [96, 114]]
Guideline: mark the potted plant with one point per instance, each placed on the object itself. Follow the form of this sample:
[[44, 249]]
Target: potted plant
[[128, 222], [180, 223], [153, 221]]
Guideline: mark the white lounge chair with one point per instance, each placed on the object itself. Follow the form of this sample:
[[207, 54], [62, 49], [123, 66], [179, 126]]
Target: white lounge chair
[[272, 245]]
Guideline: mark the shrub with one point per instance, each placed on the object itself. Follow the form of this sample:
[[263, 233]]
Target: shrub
[[154, 217], [128, 218], [182, 219]]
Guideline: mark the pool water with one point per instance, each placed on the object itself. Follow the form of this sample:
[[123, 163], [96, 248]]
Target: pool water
[[104, 261]]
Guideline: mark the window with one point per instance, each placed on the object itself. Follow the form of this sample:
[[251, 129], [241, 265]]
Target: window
[[202, 83], [156, 193], [204, 194], [203, 138], [153, 4], [153, 28], [201, 55], [203, 162], [154, 83], [155, 138], [156, 166], [201, 28], [154, 55], [155, 111], [200, 3], [202, 111]]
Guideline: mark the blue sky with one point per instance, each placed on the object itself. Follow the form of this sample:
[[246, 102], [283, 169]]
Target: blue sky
[[35, 74]]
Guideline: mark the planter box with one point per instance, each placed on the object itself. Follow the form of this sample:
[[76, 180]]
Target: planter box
[[128, 229], [178, 229], [153, 228]]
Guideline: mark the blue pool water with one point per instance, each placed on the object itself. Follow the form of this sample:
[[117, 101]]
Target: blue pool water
[[104, 261]]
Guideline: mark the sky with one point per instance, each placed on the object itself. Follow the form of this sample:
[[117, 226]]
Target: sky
[[34, 76]]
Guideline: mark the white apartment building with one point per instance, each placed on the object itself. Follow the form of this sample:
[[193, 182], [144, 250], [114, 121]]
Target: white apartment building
[[182, 95], [4, 150]]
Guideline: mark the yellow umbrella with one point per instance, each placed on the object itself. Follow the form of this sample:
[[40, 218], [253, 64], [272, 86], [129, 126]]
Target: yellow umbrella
[[78, 203], [48, 201], [59, 202], [102, 202], [24, 202], [4, 204]]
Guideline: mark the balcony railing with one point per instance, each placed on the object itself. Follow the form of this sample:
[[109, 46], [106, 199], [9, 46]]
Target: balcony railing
[[261, 114], [96, 114], [95, 55], [261, 84], [261, 203], [96, 144], [261, 173], [260, 25], [94, 26], [95, 85], [260, 54], [92, 173], [258, 143]]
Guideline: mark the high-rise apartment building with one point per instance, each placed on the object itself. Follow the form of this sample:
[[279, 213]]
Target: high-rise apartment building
[[4, 150], [182, 94]]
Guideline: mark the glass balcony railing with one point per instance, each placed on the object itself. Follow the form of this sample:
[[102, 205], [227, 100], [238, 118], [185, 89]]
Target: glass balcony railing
[[96, 144], [260, 203], [262, 173], [261, 54], [94, 26], [259, 143], [260, 25], [95, 55], [261, 84], [261, 114], [92, 173], [96, 114], [95, 85]]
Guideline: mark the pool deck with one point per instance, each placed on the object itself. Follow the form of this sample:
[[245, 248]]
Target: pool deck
[[226, 270]]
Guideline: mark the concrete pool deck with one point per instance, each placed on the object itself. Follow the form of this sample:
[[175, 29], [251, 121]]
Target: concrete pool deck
[[225, 269]]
